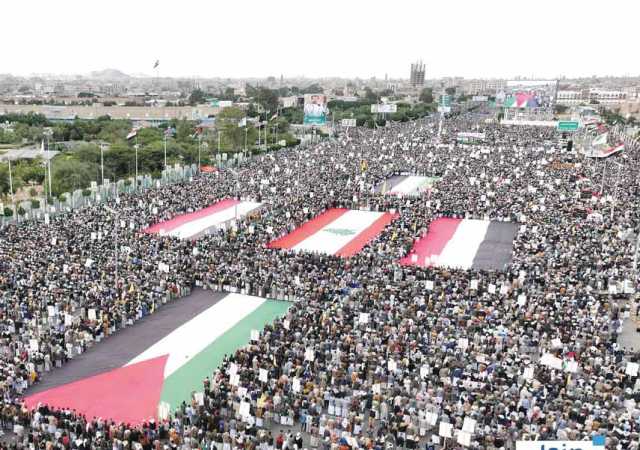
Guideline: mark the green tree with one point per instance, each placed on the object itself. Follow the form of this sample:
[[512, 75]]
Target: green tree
[[312, 89], [69, 175], [371, 96], [267, 98], [30, 172], [197, 96], [426, 96], [227, 124]]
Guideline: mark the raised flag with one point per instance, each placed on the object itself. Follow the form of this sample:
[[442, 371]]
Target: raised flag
[[601, 139], [163, 359], [606, 151], [199, 223], [156, 64], [464, 244], [133, 133], [340, 232]]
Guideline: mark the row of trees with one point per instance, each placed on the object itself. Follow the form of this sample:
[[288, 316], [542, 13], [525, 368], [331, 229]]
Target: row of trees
[[361, 111], [77, 166], [24, 173]]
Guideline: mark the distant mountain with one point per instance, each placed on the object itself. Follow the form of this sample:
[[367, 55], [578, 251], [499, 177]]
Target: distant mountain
[[141, 75], [108, 74]]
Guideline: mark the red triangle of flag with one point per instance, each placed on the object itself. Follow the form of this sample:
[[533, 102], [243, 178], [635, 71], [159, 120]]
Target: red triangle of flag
[[128, 394]]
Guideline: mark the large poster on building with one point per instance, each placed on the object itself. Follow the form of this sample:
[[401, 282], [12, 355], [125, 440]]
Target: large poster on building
[[315, 109]]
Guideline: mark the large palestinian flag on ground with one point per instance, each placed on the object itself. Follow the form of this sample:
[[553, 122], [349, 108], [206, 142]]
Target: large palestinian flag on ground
[[163, 358], [340, 232], [406, 185], [464, 244], [198, 223]]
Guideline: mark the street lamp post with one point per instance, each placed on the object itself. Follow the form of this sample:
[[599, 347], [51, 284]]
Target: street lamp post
[[136, 147], [102, 163], [13, 200], [199, 151], [48, 132], [165, 151]]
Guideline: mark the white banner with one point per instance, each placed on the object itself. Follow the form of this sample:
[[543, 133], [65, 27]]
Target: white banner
[[384, 108], [348, 122]]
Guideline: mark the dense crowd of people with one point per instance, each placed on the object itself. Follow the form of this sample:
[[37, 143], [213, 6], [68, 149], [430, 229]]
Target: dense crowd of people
[[371, 351]]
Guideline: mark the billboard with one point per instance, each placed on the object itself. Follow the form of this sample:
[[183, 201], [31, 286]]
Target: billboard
[[348, 122], [221, 103], [479, 98], [568, 125], [444, 100], [315, 109], [384, 108]]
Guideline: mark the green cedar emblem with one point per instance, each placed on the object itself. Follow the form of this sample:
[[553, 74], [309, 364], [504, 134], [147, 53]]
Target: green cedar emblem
[[340, 231]]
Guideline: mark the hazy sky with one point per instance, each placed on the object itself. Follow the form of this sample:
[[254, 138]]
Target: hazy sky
[[347, 38]]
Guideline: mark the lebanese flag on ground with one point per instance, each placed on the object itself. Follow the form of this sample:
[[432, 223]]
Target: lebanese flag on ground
[[464, 244], [198, 223], [161, 359], [340, 232]]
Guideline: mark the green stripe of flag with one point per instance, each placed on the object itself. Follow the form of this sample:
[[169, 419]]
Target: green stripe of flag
[[179, 386]]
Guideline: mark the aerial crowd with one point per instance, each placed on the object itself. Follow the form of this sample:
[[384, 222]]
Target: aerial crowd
[[371, 353]]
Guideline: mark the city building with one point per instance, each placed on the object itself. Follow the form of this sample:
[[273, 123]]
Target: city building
[[416, 79]]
